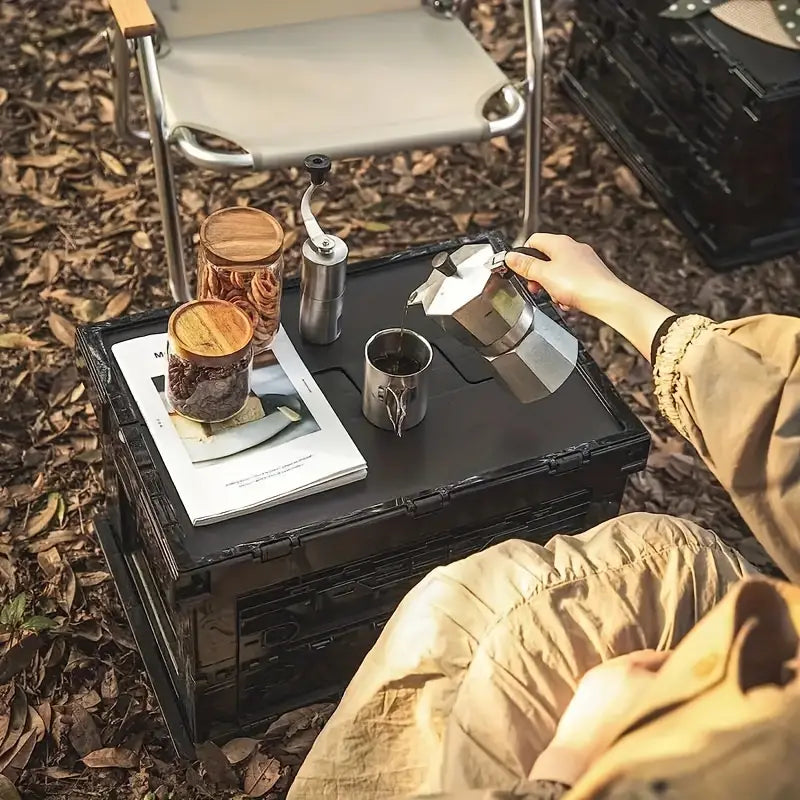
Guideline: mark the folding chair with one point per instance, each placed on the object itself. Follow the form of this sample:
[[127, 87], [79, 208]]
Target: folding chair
[[284, 78]]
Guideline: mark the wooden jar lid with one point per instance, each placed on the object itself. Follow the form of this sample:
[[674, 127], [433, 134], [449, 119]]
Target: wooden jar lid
[[210, 333], [241, 237]]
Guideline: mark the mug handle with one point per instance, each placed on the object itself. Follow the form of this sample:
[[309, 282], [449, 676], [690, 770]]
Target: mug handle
[[398, 417]]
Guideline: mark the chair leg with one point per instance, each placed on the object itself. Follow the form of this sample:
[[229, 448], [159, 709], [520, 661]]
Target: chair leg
[[165, 180], [120, 63], [534, 117]]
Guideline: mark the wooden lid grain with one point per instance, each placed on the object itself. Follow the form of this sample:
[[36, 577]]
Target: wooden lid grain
[[210, 332], [241, 236]]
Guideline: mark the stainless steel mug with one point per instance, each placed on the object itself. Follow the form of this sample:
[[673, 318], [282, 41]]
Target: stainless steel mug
[[395, 394]]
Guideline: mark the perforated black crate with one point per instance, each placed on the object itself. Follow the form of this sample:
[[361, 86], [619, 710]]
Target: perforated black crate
[[244, 619], [690, 106]]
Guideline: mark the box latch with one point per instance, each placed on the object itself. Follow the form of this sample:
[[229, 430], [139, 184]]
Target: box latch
[[279, 549], [427, 504], [566, 462]]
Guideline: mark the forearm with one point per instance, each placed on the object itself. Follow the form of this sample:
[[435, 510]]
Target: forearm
[[632, 314], [561, 764]]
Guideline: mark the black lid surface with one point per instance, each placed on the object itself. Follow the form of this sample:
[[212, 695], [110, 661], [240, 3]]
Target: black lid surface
[[474, 431]]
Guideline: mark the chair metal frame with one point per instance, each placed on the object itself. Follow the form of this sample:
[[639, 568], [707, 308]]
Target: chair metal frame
[[140, 42]]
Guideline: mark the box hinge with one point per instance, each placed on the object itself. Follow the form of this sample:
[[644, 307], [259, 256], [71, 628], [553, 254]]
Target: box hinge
[[427, 504], [566, 462], [279, 549]]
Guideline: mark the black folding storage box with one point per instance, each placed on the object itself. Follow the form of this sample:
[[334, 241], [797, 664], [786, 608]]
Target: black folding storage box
[[244, 619], [706, 116]]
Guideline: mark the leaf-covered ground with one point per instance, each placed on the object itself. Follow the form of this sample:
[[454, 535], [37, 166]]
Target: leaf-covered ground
[[80, 241]]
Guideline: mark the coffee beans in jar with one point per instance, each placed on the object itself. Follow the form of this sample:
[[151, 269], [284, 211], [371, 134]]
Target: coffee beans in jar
[[240, 260], [209, 360]]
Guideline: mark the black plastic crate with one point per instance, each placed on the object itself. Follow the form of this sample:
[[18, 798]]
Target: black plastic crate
[[247, 618], [707, 117]]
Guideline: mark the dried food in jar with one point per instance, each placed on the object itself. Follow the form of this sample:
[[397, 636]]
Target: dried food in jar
[[209, 360], [240, 260]]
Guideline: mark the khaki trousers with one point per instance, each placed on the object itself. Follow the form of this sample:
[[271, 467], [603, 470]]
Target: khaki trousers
[[470, 676]]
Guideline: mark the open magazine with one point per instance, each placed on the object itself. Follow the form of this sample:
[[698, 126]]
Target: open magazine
[[286, 442]]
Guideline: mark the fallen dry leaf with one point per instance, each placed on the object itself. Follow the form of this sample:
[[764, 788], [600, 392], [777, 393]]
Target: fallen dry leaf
[[34, 277], [50, 561], [141, 240], [462, 220], [627, 182], [216, 765], [3, 95], [299, 744], [18, 657], [45, 712], [375, 227], [60, 774], [18, 757], [109, 688], [261, 775], [89, 579], [18, 718], [290, 723], [117, 304], [67, 587], [39, 521], [88, 310], [46, 161], [5, 713], [107, 757], [113, 164], [424, 165], [88, 700], [561, 157], [18, 341], [249, 182], [73, 86], [51, 265], [501, 143], [62, 329], [237, 750], [22, 228], [83, 734], [88, 629]]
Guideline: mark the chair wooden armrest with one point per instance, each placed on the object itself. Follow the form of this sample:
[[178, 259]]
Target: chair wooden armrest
[[134, 17]]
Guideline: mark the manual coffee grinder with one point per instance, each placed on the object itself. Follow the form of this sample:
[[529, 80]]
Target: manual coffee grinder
[[322, 278], [474, 297]]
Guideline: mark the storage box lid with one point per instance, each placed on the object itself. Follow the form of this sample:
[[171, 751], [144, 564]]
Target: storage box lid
[[475, 435]]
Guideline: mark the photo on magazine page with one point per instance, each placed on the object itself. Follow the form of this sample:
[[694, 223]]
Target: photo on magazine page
[[274, 414]]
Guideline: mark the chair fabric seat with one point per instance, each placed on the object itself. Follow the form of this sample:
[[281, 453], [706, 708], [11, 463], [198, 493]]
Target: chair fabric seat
[[346, 86]]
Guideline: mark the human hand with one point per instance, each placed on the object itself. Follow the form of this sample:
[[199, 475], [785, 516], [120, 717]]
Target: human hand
[[597, 714], [575, 276]]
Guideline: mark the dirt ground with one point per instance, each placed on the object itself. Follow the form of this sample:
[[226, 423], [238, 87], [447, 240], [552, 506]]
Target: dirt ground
[[80, 241]]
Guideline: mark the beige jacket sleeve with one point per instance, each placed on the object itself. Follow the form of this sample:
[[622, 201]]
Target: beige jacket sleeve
[[733, 390]]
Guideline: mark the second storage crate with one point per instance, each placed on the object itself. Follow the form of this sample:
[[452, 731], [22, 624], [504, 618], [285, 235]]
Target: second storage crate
[[707, 117]]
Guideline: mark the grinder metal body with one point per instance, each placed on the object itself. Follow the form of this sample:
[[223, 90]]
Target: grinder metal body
[[324, 270], [473, 298]]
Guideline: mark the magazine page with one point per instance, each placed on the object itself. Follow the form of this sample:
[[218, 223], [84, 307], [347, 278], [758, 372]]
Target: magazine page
[[286, 443]]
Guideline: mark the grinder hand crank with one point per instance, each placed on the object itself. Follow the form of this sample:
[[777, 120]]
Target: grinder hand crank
[[322, 277], [472, 295]]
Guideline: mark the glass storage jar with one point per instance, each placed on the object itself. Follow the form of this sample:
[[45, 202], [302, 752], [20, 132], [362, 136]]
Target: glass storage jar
[[240, 259], [209, 359]]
